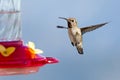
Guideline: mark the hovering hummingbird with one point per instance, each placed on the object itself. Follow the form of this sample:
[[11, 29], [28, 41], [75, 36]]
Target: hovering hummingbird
[[75, 33]]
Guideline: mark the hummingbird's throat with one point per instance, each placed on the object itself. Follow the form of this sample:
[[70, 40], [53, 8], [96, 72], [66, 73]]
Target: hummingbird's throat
[[69, 25]]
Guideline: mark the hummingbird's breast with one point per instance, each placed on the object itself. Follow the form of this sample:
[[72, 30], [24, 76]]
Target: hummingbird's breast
[[75, 30], [75, 35]]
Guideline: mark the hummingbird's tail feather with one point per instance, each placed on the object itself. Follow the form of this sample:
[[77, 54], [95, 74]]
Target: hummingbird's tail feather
[[79, 49]]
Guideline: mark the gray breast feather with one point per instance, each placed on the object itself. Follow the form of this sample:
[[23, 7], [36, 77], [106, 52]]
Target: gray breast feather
[[92, 27]]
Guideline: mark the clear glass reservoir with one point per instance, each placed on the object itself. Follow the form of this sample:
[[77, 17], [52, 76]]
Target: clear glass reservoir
[[10, 20]]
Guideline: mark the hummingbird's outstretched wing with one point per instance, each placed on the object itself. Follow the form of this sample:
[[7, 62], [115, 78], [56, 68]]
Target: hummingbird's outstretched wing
[[92, 27], [62, 27]]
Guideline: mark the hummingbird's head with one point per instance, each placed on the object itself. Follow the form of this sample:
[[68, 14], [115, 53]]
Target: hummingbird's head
[[71, 22]]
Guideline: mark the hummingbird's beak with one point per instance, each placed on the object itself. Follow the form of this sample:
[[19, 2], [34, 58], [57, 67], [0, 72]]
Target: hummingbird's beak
[[63, 18]]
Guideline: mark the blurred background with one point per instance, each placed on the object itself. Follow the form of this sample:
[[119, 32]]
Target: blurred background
[[101, 47]]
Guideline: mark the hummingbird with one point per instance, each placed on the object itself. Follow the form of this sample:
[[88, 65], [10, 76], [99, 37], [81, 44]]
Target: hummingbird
[[75, 33]]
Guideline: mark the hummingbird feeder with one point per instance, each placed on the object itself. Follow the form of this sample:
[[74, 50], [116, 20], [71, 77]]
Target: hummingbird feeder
[[15, 57]]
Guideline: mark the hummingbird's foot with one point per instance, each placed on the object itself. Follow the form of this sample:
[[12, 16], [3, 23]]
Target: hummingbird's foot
[[72, 43]]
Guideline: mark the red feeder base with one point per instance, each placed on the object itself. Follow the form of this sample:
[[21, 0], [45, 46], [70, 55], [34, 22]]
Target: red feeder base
[[15, 58]]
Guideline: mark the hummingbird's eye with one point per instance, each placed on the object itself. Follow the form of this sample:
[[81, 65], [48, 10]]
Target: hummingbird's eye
[[72, 20]]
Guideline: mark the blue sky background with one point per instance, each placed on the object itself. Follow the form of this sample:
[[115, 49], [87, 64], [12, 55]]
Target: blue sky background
[[101, 59]]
